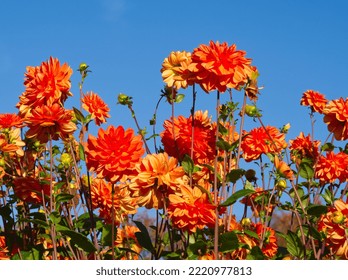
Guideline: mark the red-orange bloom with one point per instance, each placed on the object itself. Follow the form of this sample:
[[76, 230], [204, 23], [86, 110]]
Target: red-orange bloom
[[124, 204], [10, 120], [315, 100], [126, 238], [190, 209], [334, 224], [332, 167], [156, 177], [4, 253], [114, 152], [50, 122], [269, 241], [46, 84], [261, 141], [219, 66], [30, 189], [303, 147], [94, 105], [175, 71], [336, 118], [283, 169], [177, 137]]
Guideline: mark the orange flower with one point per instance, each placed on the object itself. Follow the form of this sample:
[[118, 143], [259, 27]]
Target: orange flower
[[219, 66], [50, 122], [4, 253], [175, 71], [283, 169], [190, 209], [11, 142], [246, 244], [331, 167], [336, 118], [261, 141], [10, 120], [94, 105], [334, 224], [124, 204], [258, 201], [315, 100], [46, 84], [30, 189], [126, 239], [268, 237], [177, 137], [156, 176], [303, 147], [114, 153]]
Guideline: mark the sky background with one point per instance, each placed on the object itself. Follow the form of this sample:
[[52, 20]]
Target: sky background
[[296, 45]]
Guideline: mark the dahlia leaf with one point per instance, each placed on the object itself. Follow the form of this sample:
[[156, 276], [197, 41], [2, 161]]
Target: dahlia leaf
[[306, 169], [33, 254], [293, 244], [235, 175], [82, 152], [143, 237], [316, 210], [328, 197], [64, 197], [188, 164], [237, 195], [79, 116], [79, 240], [228, 242], [256, 254], [106, 238]]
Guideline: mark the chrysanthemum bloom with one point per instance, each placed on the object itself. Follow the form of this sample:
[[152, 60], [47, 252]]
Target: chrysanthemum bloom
[[12, 143], [10, 120], [261, 141], [219, 66], [315, 100], [189, 209], [126, 239], [155, 178], [332, 167], [31, 190], [303, 147], [114, 153], [334, 224], [46, 84], [124, 204], [50, 122], [283, 169], [258, 201], [175, 71], [269, 240], [4, 253], [336, 118], [246, 243], [94, 105], [177, 137]]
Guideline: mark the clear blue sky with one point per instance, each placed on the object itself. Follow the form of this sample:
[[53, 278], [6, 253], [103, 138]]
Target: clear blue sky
[[296, 45]]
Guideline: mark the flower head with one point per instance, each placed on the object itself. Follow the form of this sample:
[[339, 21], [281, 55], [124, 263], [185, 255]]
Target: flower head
[[219, 66], [50, 122], [30, 189], [126, 238], [94, 105], [10, 120], [46, 84], [303, 147], [315, 100], [114, 153], [336, 118], [331, 167]]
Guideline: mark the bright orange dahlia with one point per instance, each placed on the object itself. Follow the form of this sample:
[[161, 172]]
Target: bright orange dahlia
[[156, 177], [10, 120], [315, 100], [303, 147], [334, 224], [114, 153], [177, 137], [332, 167], [268, 237], [50, 122], [12, 143], [261, 141], [283, 169], [46, 84], [219, 66], [336, 118], [31, 190], [189, 209], [175, 71], [4, 253], [94, 105], [126, 239], [124, 204]]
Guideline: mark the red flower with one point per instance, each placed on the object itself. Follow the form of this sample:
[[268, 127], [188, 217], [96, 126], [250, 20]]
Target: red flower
[[315, 100], [177, 137], [336, 118], [10, 120], [303, 147], [94, 105], [269, 241], [30, 189], [332, 167], [114, 153], [46, 84], [219, 66], [50, 122], [261, 141]]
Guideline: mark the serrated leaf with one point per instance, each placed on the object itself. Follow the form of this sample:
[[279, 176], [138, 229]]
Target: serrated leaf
[[237, 195], [293, 244], [143, 237], [256, 254], [306, 169], [55, 217], [228, 242], [328, 196]]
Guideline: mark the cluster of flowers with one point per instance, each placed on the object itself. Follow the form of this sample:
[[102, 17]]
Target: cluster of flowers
[[190, 181]]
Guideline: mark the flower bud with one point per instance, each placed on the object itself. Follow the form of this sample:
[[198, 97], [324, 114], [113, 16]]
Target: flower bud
[[281, 184], [83, 67], [245, 222], [124, 99], [251, 110], [65, 159], [337, 217]]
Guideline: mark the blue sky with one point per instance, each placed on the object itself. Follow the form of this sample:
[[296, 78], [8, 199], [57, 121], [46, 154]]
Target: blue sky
[[296, 45]]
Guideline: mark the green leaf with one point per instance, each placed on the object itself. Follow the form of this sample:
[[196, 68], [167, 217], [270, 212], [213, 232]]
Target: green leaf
[[33, 254], [188, 165], [234, 197], [327, 147], [316, 210], [179, 97], [199, 247], [79, 116], [55, 217], [306, 169], [256, 254], [228, 242], [235, 175], [79, 240], [143, 237], [64, 197], [106, 238], [223, 145], [82, 152], [328, 196], [252, 234], [293, 244]]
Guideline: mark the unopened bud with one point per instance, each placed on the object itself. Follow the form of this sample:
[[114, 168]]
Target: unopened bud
[[337, 217], [124, 99]]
